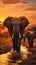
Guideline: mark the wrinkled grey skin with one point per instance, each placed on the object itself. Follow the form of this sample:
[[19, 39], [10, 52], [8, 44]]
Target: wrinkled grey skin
[[9, 22]]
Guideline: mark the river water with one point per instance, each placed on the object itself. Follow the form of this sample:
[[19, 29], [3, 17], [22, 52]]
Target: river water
[[5, 59]]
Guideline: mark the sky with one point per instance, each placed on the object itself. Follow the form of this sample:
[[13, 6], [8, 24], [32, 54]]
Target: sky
[[17, 8]]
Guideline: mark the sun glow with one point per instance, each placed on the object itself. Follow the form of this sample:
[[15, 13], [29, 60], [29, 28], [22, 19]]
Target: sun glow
[[17, 10]]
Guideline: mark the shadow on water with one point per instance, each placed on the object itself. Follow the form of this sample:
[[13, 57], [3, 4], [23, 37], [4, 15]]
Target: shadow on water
[[17, 58], [14, 58]]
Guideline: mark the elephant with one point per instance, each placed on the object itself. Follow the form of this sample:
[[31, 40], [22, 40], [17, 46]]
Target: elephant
[[16, 27], [30, 37]]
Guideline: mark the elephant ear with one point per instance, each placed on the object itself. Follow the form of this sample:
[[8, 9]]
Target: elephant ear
[[8, 22], [23, 23]]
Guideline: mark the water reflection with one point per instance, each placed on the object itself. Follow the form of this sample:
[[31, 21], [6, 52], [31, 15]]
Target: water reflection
[[11, 58], [4, 58]]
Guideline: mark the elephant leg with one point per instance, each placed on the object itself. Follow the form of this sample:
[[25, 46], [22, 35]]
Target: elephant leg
[[31, 44], [17, 45], [24, 39], [14, 42], [14, 45]]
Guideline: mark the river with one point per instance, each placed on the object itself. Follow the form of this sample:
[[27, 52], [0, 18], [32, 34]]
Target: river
[[5, 59]]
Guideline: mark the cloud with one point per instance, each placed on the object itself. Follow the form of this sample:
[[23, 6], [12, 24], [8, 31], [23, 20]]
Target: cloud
[[14, 1], [30, 9], [34, 17]]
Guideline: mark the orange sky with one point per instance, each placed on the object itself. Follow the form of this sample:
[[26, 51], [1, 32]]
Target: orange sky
[[18, 9]]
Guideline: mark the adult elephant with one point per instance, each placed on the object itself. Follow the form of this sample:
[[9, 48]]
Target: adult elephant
[[8, 22], [16, 26]]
